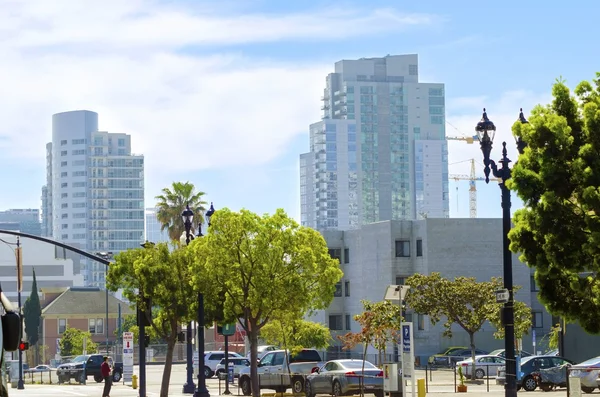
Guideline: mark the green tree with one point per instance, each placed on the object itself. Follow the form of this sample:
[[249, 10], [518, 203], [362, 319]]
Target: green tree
[[171, 204], [463, 301], [71, 342], [380, 324], [157, 273], [558, 230], [32, 312], [263, 266], [296, 335]]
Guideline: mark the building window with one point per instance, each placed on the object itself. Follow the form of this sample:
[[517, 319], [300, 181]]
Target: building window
[[96, 325], [346, 255], [347, 288], [92, 325], [63, 174], [421, 322], [63, 163], [419, 247], [64, 226], [62, 325], [78, 152], [121, 142], [63, 153], [63, 142], [400, 280], [64, 236], [533, 283], [336, 253], [335, 322], [403, 248], [413, 70], [78, 141], [338, 290], [348, 322], [537, 320]]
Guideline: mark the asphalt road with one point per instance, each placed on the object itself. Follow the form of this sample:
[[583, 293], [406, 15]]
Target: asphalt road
[[440, 384]]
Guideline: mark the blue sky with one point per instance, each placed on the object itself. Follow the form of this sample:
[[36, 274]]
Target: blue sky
[[222, 93]]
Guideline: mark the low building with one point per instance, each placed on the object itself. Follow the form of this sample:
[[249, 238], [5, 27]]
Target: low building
[[83, 308], [54, 266], [379, 254]]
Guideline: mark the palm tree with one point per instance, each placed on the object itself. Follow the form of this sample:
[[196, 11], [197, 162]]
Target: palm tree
[[171, 204]]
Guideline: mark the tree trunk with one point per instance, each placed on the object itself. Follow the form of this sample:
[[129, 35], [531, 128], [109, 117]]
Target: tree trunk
[[253, 336], [472, 345], [164, 387]]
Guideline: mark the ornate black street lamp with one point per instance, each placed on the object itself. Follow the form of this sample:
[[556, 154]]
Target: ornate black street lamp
[[189, 387], [202, 391], [486, 130]]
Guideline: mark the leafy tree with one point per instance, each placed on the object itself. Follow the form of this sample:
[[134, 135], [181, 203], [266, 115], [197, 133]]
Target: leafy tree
[[558, 230], [522, 315], [32, 312], [71, 342], [157, 273], [296, 334], [264, 266], [171, 204], [463, 301], [380, 324]]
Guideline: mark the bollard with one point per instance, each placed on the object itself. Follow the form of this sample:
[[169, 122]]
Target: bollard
[[134, 381], [421, 387]]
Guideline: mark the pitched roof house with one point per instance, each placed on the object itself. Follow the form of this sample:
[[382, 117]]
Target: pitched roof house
[[83, 308]]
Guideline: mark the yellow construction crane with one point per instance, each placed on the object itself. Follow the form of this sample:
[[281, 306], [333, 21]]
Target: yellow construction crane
[[468, 139], [472, 187]]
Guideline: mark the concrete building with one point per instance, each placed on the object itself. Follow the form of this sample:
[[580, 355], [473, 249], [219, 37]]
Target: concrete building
[[384, 253], [28, 220], [54, 268], [94, 195], [379, 152], [153, 232]]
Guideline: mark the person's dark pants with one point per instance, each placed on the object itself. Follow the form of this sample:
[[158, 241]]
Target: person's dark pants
[[107, 386]]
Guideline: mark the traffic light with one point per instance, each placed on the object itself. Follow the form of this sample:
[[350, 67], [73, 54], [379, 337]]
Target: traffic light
[[23, 346], [181, 337], [146, 340]]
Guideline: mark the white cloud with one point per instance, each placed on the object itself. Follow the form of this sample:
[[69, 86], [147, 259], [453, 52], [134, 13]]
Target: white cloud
[[123, 59]]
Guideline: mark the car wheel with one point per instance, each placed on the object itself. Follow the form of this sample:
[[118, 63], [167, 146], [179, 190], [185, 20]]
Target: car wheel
[[308, 390], [379, 393], [98, 378], [82, 378], [546, 387], [337, 389], [297, 384], [529, 384], [245, 386], [479, 373], [116, 376], [208, 373], [588, 389]]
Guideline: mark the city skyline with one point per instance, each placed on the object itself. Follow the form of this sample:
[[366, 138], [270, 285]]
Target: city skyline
[[212, 88]]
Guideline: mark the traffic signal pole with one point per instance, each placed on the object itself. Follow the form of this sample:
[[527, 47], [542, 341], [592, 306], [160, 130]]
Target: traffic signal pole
[[20, 383]]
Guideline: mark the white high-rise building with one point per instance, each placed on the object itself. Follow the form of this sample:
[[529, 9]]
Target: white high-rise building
[[153, 232], [379, 152], [94, 195]]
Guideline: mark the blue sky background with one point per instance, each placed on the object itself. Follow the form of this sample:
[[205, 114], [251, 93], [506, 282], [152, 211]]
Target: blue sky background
[[222, 94]]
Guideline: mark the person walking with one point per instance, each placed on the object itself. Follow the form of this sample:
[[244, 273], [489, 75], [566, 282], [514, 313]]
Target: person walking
[[105, 369]]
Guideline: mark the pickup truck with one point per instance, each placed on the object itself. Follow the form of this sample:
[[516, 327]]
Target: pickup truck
[[273, 371], [87, 365]]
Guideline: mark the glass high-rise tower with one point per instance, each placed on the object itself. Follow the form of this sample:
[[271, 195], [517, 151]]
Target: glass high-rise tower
[[94, 195], [379, 152]]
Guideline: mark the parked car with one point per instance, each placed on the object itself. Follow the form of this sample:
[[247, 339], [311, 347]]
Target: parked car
[[262, 350], [236, 363], [588, 372], [213, 358], [42, 368], [275, 373], [87, 365], [449, 357], [343, 377], [501, 353], [484, 366], [531, 364]]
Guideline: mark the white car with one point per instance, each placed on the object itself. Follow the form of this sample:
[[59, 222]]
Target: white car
[[262, 350], [237, 363], [589, 373], [484, 366], [212, 359]]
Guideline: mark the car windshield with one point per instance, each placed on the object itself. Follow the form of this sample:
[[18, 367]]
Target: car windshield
[[357, 364], [526, 359], [79, 359], [450, 350], [591, 361], [497, 352]]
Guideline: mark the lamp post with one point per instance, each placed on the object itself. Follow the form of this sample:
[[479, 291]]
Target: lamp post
[[486, 130], [107, 256], [189, 387], [202, 391]]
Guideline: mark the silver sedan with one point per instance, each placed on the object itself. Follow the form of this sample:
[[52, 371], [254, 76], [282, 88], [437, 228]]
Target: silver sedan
[[343, 378], [484, 366]]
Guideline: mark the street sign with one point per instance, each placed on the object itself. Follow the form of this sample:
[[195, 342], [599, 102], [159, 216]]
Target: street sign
[[502, 295], [406, 338], [228, 330], [127, 356]]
